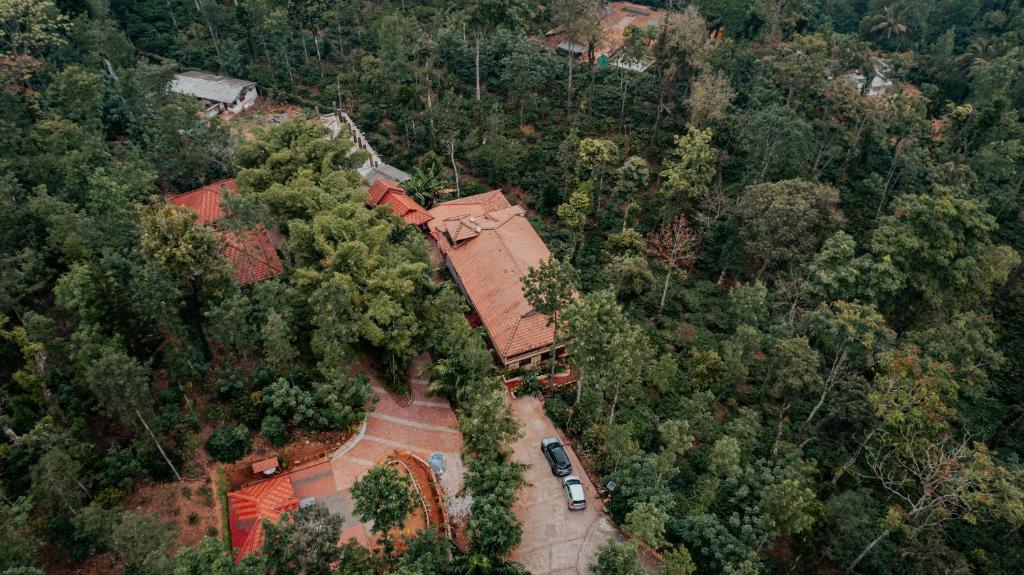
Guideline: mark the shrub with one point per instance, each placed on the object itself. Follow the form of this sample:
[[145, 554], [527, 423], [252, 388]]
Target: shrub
[[558, 410], [230, 386], [228, 444], [274, 430], [193, 518], [248, 409], [207, 494]]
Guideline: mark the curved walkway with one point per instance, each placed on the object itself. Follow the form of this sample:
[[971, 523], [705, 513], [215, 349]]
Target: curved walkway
[[425, 426]]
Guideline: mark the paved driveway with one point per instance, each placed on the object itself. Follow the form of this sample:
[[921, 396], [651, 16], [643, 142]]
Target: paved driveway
[[555, 541]]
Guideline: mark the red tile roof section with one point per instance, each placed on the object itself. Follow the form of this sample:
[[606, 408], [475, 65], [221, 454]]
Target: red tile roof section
[[388, 192], [249, 506], [251, 253], [491, 255], [265, 464], [205, 201]]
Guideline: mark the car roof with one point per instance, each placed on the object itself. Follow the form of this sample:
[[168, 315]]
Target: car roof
[[575, 488]]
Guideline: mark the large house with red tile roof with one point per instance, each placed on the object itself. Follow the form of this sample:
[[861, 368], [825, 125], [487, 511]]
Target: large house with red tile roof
[[250, 252], [488, 246], [250, 505], [386, 192]]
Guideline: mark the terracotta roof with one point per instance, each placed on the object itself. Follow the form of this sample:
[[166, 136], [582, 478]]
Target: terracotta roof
[[252, 255], [381, 187], [249, 506], [265, 464], [490, 245], [387, 192], [205, 201]]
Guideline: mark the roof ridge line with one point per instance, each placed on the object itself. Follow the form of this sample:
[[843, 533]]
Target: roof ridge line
[[511, 336]]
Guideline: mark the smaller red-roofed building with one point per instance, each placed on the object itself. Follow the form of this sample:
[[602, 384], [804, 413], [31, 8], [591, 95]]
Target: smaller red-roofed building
[[386, 192], [250, 505], [251, 253], [205, 201]]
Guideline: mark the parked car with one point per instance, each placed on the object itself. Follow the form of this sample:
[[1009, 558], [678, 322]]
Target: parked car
[[556, 456], [574, 496]]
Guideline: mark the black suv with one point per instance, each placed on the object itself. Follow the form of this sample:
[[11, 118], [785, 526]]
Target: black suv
[[556, 456]]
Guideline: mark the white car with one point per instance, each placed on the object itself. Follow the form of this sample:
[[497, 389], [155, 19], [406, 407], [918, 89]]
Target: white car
[[573, 488]]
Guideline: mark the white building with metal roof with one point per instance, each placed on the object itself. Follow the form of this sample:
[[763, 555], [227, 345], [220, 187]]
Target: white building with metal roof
[[217, 93]]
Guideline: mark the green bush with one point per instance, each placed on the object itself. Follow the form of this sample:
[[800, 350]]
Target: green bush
[[228, 444], [274, 430], [558, 410], [248, 409]]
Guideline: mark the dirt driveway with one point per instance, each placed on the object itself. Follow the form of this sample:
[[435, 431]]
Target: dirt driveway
[[555, 541]]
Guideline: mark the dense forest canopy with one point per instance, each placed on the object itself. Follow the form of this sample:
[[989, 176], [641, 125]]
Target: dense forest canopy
[[799, 328]]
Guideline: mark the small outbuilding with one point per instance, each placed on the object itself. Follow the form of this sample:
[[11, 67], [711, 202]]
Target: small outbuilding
[[216, 93]]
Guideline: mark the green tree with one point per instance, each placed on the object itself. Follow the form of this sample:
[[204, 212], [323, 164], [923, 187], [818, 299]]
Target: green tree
[[493, 528], [228, 444], [29, 26], [277, 342], [786, 222], [549, 290], [189, 250], [609, 348], [647, 521], [121, 385], [575, 212], [383, 496], [942, 244], [678, 562], [617, 558], [309, 543], [631, 178], [20, 542], [689, 168]]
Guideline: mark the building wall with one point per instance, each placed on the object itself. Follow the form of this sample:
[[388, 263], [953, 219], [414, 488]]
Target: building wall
[[245, 100]]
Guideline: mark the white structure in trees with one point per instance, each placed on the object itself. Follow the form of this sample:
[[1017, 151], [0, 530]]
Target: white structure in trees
[[217, 93]]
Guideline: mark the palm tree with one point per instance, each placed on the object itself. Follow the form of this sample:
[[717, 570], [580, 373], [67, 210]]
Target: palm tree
[[980, 52], [887, 24], [424, 185], [477, 564]]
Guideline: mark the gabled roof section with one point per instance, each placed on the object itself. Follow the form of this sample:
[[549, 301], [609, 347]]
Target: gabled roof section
[[209, 86], [491, 245], [205, 201], [249, 506], [387, 192]]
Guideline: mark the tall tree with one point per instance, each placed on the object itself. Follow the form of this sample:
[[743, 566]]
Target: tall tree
[[385, 497], [549, 288], [675, 247]]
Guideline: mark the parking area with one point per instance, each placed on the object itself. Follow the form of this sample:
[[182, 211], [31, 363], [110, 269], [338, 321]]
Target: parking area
[[555, 541]]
